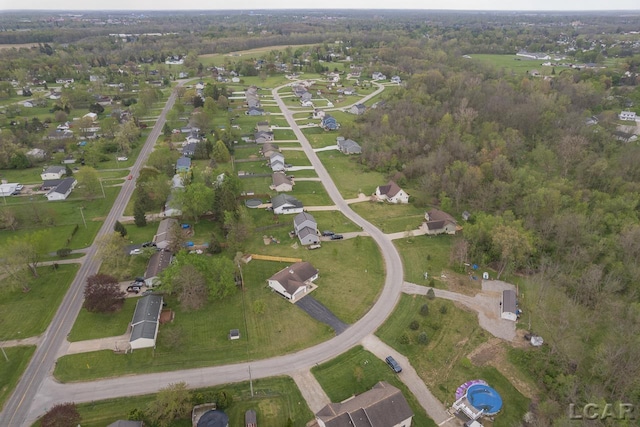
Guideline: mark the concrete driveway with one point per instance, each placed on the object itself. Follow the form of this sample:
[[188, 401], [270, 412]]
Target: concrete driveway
[[315, 309]]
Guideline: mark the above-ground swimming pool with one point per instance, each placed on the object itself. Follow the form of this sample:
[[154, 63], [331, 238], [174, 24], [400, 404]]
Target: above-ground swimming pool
[[483, 397]]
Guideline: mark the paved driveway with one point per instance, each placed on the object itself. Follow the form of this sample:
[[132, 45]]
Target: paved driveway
[[321, 313]]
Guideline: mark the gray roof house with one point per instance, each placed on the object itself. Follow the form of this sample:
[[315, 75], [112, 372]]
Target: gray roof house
[[391, 193], [281, 182], [189, 149], [254, 111], [358, 109], [348, 146], [285, 204], [382, 406], [269, 148], [53, 172], [162, 237], [62, 190], [439, 222], [157, 263], [276, 162], [293, 282], [183, 164], [306, 228], [145, 322]]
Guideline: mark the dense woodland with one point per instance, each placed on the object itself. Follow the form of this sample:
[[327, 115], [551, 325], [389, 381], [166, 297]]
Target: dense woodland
[[553, 200]]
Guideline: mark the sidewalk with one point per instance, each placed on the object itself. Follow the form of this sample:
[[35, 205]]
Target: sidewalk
[[111, 343], [23, 341], [311, 390]]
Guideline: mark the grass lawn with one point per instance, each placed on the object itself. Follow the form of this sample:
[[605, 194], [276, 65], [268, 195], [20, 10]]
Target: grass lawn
[[351, 177], [390, 218], [319, 138], [11, 370], [311, 193], [27, 314], [357, 371], [296, 157], [425, 253], [275, 400], [90, 326], [137, 234], [327, 220], [283, 134], [22, 176], [252, 152], [514, 64], [443, 364]]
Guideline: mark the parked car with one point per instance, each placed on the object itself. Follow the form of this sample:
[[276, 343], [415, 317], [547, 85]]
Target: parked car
[[393, 364], [337, 237], [314, 246], [139, 280], [122, 159], [133, 289], [328, 233], [148, 244], [130, 177], [136, 251], [147, 292]]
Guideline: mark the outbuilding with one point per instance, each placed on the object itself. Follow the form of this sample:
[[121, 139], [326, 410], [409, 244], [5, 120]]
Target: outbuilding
[[509, 305]]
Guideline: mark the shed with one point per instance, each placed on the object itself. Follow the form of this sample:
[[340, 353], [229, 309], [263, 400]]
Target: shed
[[145, 322], [509, 305], [250, 418]]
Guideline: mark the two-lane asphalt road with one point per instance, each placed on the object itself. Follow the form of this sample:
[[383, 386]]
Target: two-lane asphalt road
[[17, 410]]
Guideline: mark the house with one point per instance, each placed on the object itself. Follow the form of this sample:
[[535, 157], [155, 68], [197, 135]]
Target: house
[[189, 150], [183, 164], [306, 97], [329, 123], [27, 104], [49, 184], [508, 305], [295, 281], [319, 114], [283, 204], [92, 116], [268, 149], [261, 137], [439, 222], [36, 154], [69, 160], [62, 190], [378, 76], [396, 80], [382, 406], [348, 146], [391, 193], [171, 206], [306, 228], [357, 109], [58, 135], [254, 111], [145, 322], [263, 127], [281, 182], [306, 104], [627, 115], [162, 239], [157, 263], [7, 189], [53, 172], [276, 162]]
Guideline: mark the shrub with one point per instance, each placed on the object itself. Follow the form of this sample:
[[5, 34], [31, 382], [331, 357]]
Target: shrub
[[63, 252], [61, 415], [404, 338], [424, 310], [443, 309], [423, 339], [431, 294], [414, 326]]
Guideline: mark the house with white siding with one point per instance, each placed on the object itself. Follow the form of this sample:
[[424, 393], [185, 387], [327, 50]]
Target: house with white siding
[[295, 281]]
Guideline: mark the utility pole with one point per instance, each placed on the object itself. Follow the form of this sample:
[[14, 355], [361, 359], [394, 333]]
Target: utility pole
[[102, 188], [82, 214]]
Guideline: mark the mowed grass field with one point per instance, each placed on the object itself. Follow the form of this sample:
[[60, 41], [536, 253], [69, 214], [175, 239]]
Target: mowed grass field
[[11, 369], [422, 254], [275, 400], [514, 64], [390, 218], [90, 326], [27, 314], [443, 363], [357, 371], [349, 176]]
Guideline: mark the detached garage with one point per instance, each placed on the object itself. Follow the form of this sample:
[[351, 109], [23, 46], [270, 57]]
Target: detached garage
[[144, 326], [509, 306]]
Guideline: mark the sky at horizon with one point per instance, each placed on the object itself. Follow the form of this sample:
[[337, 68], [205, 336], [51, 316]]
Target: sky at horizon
[[467, 5]]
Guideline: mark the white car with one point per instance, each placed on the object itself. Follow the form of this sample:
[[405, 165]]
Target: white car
[[135, 252], [122, 159]]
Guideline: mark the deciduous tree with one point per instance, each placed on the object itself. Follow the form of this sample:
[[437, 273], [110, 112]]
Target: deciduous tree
[[191, 287], [171, 403], [102, 294], [61, 415]]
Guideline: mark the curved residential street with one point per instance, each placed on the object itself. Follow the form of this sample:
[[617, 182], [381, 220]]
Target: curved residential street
[[22, 407], [38, 391]]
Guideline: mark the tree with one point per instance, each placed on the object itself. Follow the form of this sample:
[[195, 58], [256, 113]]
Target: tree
[[139, 217], [8, 219], [513, 244], [102, 294], [195, 200], [424, 310], [431, 294], [19, 161], [61, 415], [219, 274], [112, 251], [164, 160], [118, 227], [23, 254], [89, 186], [220, 152], [191, 288], [224, 399], [171, 403]]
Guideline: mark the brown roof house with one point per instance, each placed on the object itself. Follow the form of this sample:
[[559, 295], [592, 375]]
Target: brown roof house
[[281, 182], [382, 406], [295, 281], [439, 222], [391, 193], [269, 148]]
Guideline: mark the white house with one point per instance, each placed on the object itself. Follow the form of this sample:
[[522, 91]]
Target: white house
[[8, 189], [384, 403], [62, 190], [306, 228], [295, 281], [627, 115], [509, 305], [281, 182], [92, 116], [276, 162], [348, 146], [53, 172], [391, 193], [145, 322], [283, 204], [163, 236]]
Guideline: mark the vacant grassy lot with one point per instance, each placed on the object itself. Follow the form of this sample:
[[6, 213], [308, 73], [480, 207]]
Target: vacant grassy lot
[[351, 177], [357, 371], [90, 326], [311, 193], [452, 334], [267, 223], [390, 218], [319, 138], [422, 254], [275, 400], [11, 370], [283, 135], [27, 314], [513, 64]]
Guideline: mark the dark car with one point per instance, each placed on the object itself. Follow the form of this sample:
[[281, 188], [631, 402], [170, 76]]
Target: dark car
[[148, 244], [138, 280], [328, 233], [393, 364], [337, 237], [133, 289]]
